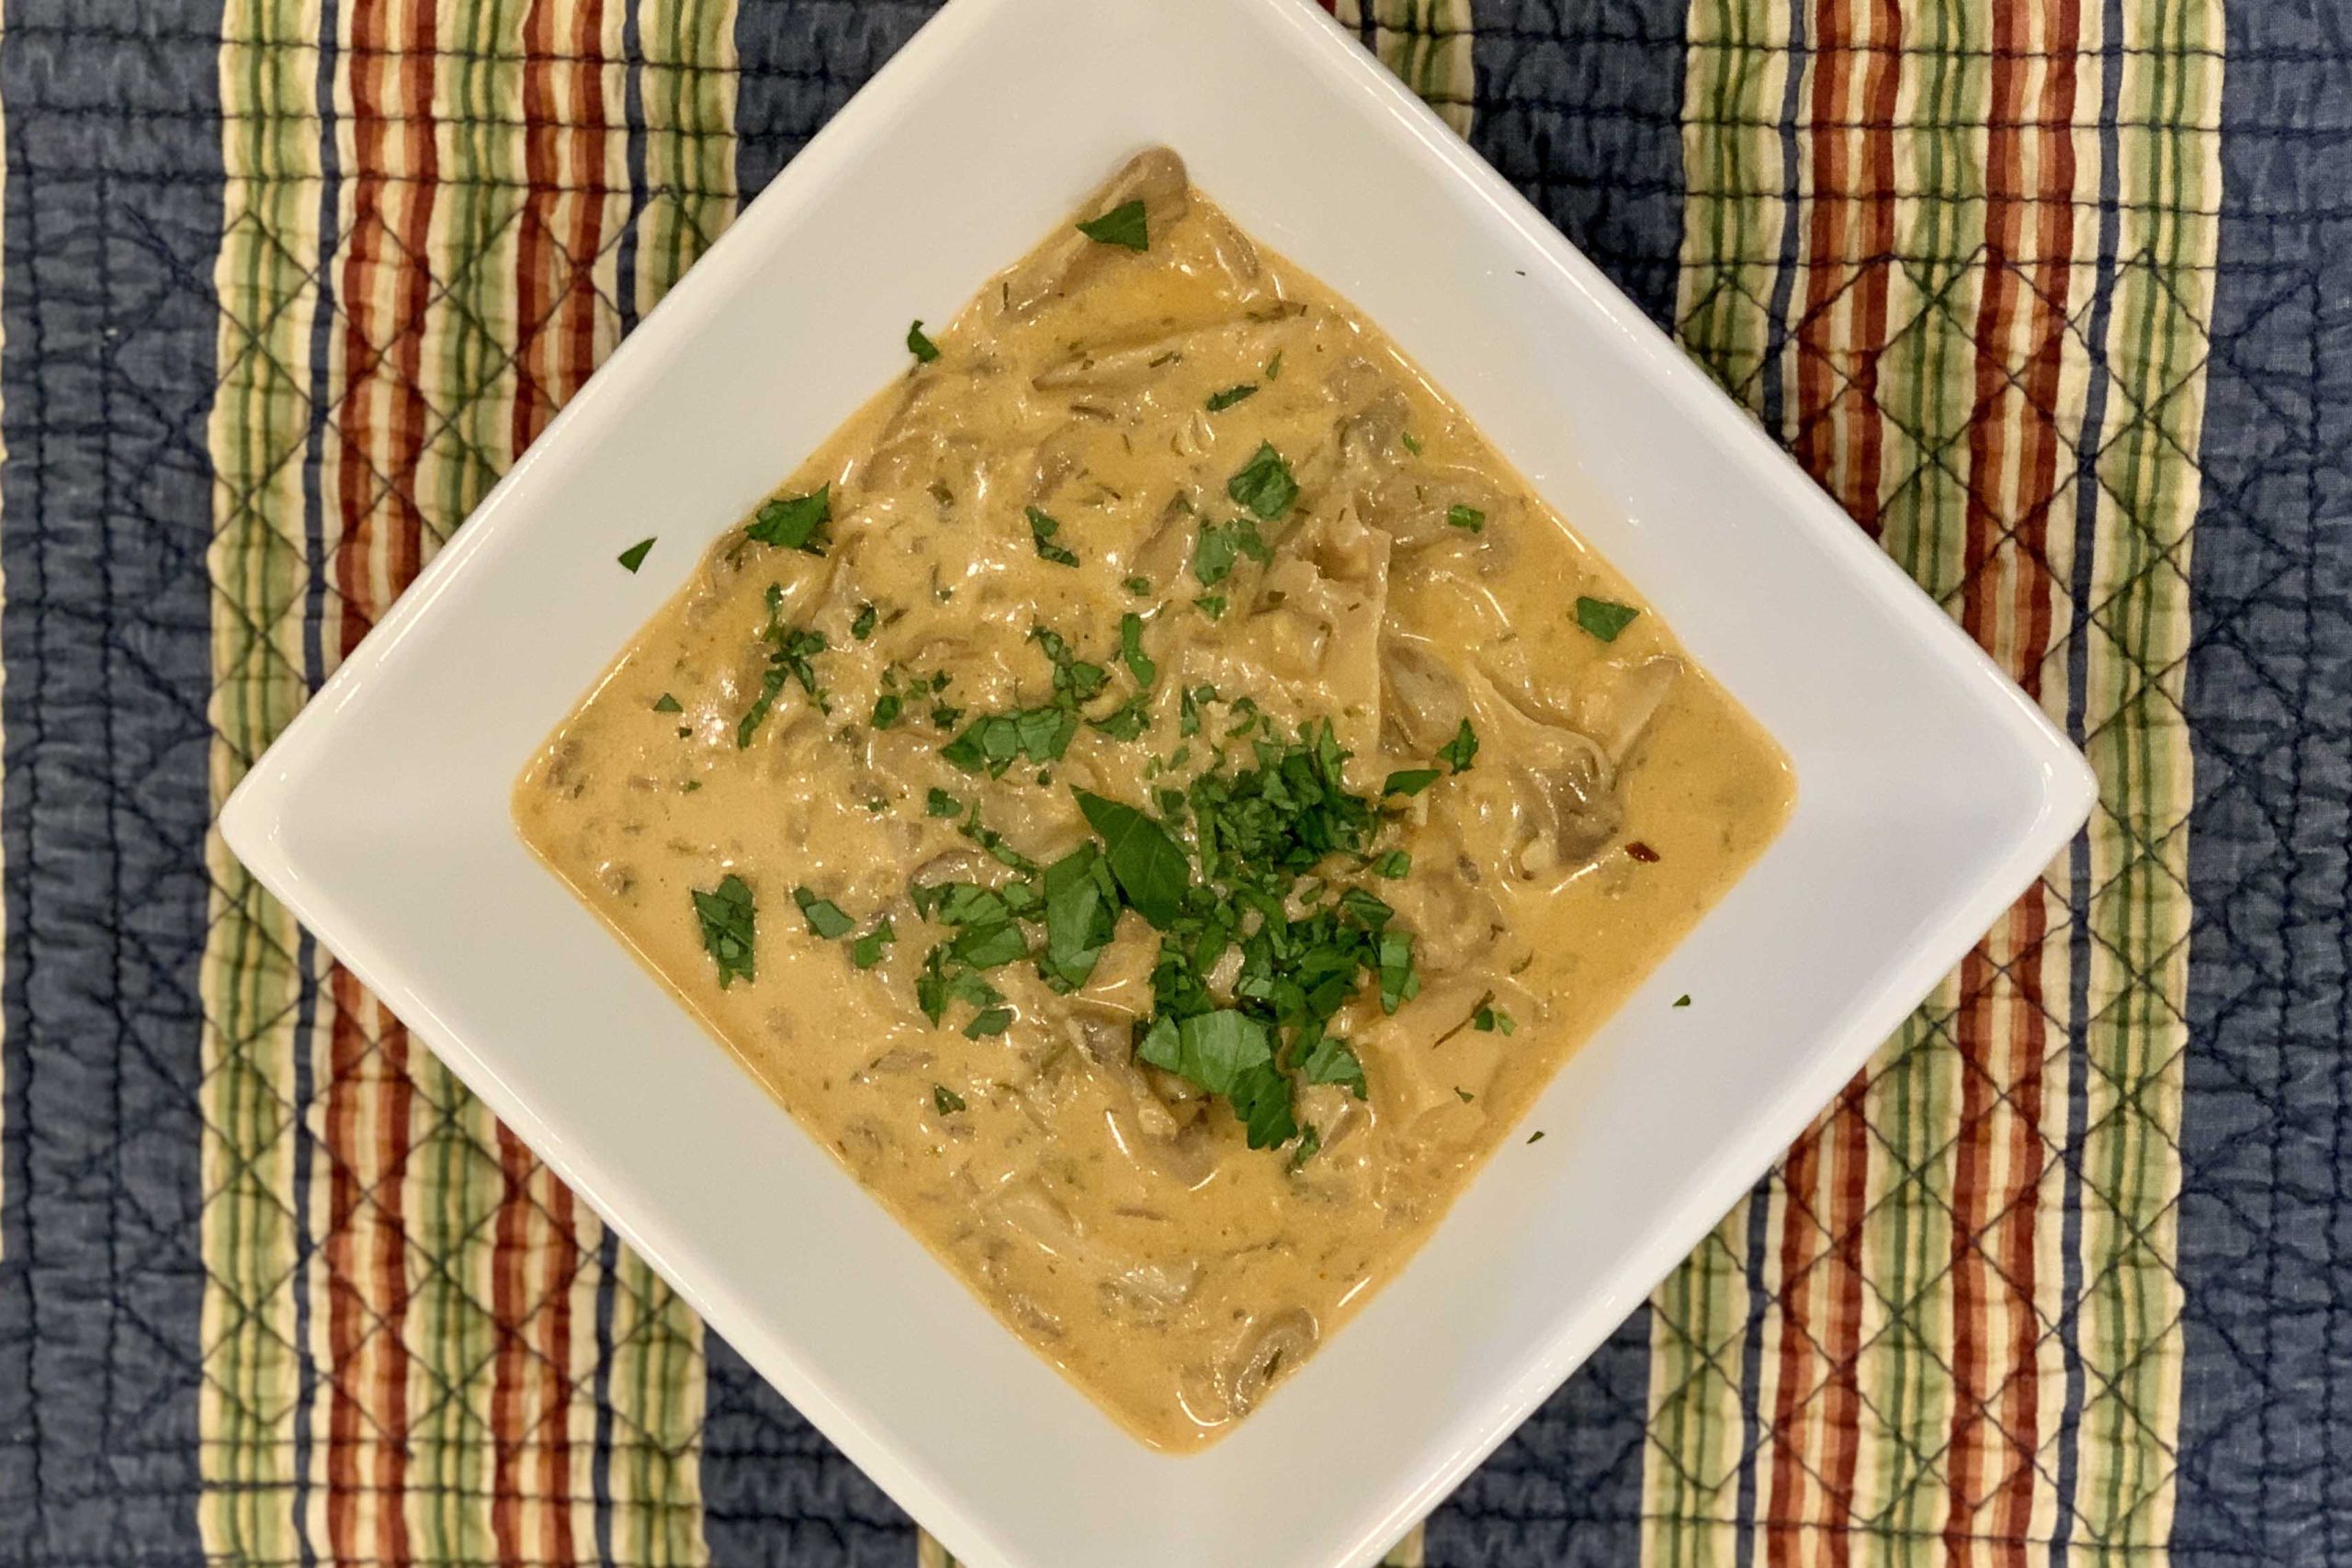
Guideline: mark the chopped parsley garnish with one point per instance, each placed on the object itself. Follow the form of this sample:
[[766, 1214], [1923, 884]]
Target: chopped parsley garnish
[[1469, 519], [824, 917], [1131, 652], [665, 703], [1493, 1021], [1123, 225], [1220, 401], [1463, 1095], [1150, 870], [728, 917], [791, 658], [634, 556], [1603, 619], [921, 347], [993, 1020], [1457, 753], [1682, 1001], [1139, 586], [886, 710], [1536, 1136], [1411, 443], [1394, 865], [1082, 911], [1125, 723], [1409, 781], [939, 803], [1264, 484], [950, 1103], [791, 522], [1275, 366], [863, 626], [1042, 530], [1221, 544], [998, 741], [866, 951], [1211, 604]]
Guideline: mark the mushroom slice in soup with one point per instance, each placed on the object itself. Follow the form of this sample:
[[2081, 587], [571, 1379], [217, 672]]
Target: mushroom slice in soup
[[1066, 263]]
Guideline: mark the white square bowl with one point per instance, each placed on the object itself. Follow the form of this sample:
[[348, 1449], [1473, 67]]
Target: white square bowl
[[1931, 790]]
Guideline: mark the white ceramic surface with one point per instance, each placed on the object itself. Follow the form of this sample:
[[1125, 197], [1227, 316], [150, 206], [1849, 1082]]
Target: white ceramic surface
[[1931, 790]]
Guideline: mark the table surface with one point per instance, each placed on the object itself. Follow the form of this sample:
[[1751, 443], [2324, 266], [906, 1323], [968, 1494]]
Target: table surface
[[2056, 298]]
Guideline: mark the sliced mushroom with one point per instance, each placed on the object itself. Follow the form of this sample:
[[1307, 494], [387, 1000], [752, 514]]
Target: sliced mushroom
[[1167, 550], [1133, 363], [1569, 809], [1619, 708], [1421, 701], [1269, 1345], [1155, 177]]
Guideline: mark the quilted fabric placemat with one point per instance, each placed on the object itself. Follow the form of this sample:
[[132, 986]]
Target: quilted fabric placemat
[[2051, 295]]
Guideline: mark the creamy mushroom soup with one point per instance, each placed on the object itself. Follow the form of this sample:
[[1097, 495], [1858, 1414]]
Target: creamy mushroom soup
[[1157, 796]]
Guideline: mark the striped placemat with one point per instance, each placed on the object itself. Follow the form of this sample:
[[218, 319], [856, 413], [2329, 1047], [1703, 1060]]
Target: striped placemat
[[2050, 295]]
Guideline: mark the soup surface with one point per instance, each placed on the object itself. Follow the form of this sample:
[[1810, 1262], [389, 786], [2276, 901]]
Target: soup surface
[[1156, 795]]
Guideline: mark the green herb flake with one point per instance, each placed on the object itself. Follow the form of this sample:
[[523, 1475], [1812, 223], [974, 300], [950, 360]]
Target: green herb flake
[[824, 917], [939, 803], [1493, 1021], [634, 556], [863, 626], [1603, 619], [1211, 604], [1042, 530], [866, 951], [1409, 781], [1536, 1136], [1275, 366], [1458, 752], [1124, 225], [990, 1021], [1150, 869], [1332, 1062], [790, 523], [949, 1102], [1682, 1001], [1139, 586], [1131, 653], [665, 703], [1469, 519], [729, 919], [886, 710], [1220, 545], [1264, 484], [1220, 401], [921, 347], [1393, 865], [1463, 1095], [1412, 444]]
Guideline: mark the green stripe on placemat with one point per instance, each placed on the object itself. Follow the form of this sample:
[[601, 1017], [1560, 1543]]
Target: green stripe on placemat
[[1898, 259]]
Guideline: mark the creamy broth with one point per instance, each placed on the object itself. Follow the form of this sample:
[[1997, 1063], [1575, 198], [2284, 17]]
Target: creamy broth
[[1129, 478]]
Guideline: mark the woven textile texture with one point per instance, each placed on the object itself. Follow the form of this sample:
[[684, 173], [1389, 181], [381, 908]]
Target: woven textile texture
[[2053, 295]]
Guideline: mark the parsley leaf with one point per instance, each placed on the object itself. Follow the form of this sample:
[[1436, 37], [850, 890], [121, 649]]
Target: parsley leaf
[[1220, 401], [939, 803], [1139, 586], [1275, 366], [1394, 865], [1042, 530], [1603, 619], [1151, 870], [866, 951], [1264, 484], [993, 1020], [634, 556], [1131, 652], [1123, 225], [1081, 909], [1229, 1053], [1469, 519], [1457, 753], [1220, 543], [1493, 1021], [887, 709], [1409, 781], [665, 703], [729, 918], [824, 917], [1211, 604], [863, 627], [1682, 1001], [791, 522], [948, 1101], [1333, 1061], [921, 347]]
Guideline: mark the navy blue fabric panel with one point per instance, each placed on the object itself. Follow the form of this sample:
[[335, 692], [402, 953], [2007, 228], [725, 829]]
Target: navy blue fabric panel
[[1580, 107], [774, 1494], [799, 65], [2265, 1214], [113, 218]]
